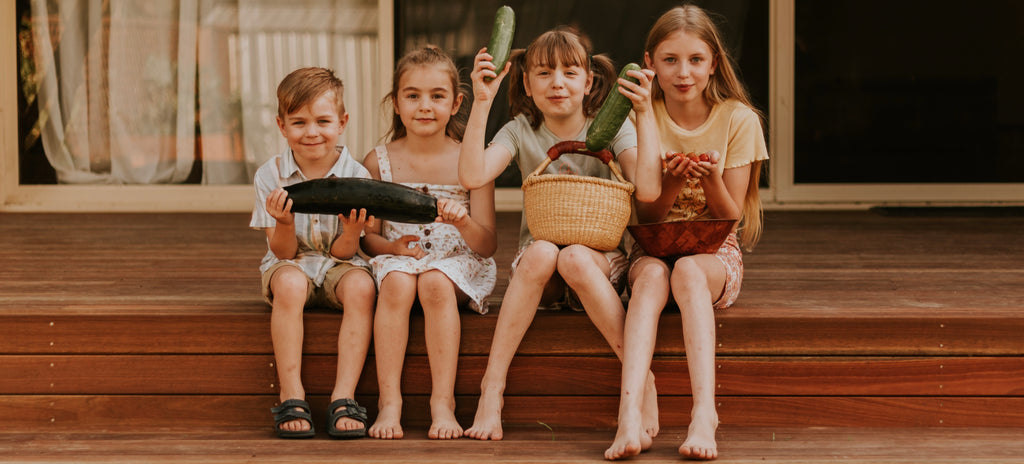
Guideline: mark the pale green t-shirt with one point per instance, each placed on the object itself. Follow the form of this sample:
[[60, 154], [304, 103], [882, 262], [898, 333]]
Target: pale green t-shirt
[[529, 148]]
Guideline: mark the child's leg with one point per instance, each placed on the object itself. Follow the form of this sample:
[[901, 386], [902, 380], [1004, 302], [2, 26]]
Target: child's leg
[[518, 307], [649, 295], [391, 335], [289, 287], [696, 282], [586, 271], [442, 329], [358, 295]]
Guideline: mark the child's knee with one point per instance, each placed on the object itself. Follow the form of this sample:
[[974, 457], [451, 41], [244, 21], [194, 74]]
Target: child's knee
[[538, 259], [687, 274], [433, 288], [574, 261], [650, 270], [357, 285], [289, 283]]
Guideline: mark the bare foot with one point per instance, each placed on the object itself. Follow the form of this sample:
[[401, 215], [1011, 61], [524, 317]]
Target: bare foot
[[630, 439], [649, 410], [700, 439], [388, 425], [444, 426], [487, 422]]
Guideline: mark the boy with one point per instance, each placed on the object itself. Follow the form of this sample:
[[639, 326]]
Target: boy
[[312, 258]]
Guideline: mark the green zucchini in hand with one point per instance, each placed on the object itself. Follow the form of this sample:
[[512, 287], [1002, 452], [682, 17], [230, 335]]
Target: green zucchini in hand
[[500, 46], [612, 114], [384, 200]]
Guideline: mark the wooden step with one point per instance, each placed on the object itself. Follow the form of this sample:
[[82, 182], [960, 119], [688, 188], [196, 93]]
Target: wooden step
[[154, 322], [535, 443]]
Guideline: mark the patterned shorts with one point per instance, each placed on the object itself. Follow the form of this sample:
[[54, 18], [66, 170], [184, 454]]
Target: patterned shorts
[[730, 255]]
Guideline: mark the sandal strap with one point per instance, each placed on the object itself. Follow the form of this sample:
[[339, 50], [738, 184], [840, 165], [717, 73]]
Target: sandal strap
[[352, 409], [286, 411]]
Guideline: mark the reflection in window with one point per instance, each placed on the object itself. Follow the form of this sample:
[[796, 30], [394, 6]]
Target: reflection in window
[[143, 92]]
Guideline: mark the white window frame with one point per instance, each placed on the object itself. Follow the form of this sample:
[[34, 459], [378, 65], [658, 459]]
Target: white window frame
[[783, 193]]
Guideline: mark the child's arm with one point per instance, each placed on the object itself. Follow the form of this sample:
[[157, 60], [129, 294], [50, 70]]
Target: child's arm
[[478, 229], [375, 244], [643, 169], [671, 183], [478, 165], [724, 193], [281, 238], [352, 226]]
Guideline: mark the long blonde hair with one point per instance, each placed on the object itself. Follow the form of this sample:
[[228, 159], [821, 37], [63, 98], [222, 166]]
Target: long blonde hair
[[723, 85]]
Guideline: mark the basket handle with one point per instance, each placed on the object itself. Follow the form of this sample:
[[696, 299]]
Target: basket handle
[[580, 147]]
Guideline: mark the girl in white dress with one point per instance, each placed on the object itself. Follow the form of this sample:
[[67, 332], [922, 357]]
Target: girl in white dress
[[444, 264]]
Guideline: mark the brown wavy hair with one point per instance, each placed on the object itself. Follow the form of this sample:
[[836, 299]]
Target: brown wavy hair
[[426, 56], [566, 46]]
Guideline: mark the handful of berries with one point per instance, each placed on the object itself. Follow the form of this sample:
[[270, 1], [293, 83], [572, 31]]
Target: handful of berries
[[692, 156]]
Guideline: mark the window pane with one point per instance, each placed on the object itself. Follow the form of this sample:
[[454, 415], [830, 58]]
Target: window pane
[[909, 91]]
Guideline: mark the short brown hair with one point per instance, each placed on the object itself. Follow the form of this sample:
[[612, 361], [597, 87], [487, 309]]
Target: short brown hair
[[304, 85]]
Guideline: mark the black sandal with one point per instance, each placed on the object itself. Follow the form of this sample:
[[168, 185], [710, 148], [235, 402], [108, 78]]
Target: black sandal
[[287, 412], [352, 410]]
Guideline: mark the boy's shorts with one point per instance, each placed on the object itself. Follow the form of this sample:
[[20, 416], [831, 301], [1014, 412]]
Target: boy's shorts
[[323, 295]]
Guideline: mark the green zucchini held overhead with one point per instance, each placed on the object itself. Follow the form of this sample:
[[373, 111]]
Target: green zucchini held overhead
[[500, 45], [384, 200]]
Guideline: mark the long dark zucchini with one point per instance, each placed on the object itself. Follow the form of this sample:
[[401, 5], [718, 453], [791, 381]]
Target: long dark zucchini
[[612, 114], [500, 46], [384, 200]]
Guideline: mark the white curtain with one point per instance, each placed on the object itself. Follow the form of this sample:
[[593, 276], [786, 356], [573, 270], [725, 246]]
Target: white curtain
[[153, 92]]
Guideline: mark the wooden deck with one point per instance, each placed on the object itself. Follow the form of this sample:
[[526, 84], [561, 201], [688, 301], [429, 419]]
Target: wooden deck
[[858, 337]]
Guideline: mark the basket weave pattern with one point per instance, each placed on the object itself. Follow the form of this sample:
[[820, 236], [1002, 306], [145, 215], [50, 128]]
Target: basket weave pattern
[[567, 209]]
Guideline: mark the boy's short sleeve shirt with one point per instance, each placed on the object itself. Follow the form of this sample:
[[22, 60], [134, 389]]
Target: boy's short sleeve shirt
[[315, 232]]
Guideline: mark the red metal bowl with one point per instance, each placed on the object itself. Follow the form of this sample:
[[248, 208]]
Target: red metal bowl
[[682, 238]]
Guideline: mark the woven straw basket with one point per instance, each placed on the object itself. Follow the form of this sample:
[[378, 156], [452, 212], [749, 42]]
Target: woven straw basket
[[566, 209]]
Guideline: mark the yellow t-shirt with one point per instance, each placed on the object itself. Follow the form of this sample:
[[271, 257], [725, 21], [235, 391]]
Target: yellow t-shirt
[[732, 128]]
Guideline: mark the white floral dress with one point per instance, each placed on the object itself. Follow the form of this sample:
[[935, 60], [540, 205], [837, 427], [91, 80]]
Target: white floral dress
[[446, 250]]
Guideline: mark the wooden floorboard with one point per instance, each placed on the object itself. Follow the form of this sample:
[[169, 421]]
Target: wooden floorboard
[[807, 260], [528, 375], [536, 444], [857, 337]]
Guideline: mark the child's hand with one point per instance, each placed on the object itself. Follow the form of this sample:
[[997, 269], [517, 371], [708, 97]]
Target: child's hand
[[279, 206], [691, 166], [451, 212], [356, 221], [400, 247], [483, 67], [640, 92]]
